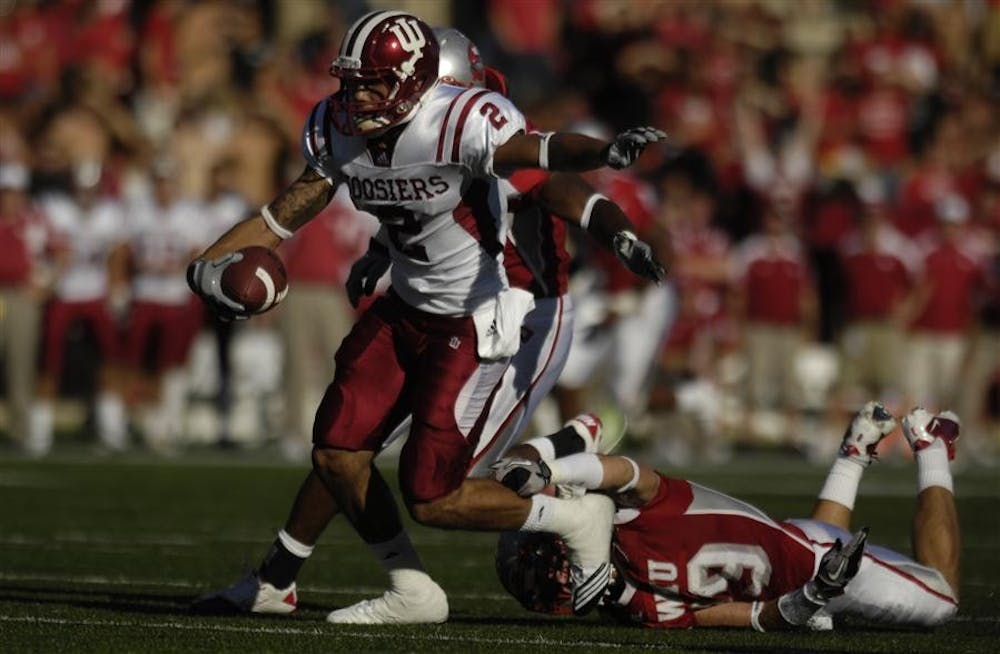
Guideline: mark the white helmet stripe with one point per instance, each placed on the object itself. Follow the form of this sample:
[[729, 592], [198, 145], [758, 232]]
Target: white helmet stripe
[[359, 32]]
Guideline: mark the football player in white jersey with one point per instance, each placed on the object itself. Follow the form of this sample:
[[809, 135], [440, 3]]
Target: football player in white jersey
[[165, 231], [688, 556], [90, 289], [421, 157]]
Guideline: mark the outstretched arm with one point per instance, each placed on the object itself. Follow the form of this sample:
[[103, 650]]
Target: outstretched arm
[[570, 197], [574, 152], [631, 483], [294, 207]]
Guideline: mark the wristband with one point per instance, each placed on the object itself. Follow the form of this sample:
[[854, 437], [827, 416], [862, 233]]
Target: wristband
[[273, 225], [588, 209], [543, 151], [755, 610], [635, 477]]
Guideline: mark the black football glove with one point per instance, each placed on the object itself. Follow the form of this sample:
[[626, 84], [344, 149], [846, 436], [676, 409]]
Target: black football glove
[[638, 256], [366, 272], [204, 277], [837, 567], [627, 146]]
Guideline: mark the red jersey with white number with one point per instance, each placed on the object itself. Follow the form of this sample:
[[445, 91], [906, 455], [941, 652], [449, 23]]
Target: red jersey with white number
[[432, 191], [693, 547]]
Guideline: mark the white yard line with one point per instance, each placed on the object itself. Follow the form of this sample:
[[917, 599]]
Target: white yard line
[[199, 586], [334, 631]]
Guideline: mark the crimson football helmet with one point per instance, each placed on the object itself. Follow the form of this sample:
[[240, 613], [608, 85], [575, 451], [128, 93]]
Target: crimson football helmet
[[535, 569], [391, 53]]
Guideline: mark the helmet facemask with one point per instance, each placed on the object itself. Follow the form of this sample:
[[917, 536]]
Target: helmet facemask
[[535, 569]]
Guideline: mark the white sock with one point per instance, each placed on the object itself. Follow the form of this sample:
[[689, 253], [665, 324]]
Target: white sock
[[400, 561], [547, 514], [297, 548], [842, 482], [584, 469], [174, 392], [112, 425], [932, 467], [40, 428]]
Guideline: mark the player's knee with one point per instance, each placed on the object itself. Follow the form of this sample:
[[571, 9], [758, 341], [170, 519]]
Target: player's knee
[[331, 463], [432, 513]]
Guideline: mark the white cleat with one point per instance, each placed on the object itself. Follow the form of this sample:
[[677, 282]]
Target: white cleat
[[423, 603], [921, 428], [248, 595], [870, 425], [588, 547]]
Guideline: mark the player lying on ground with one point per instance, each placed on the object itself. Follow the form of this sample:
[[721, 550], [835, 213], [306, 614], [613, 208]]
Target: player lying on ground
[[689, 556]]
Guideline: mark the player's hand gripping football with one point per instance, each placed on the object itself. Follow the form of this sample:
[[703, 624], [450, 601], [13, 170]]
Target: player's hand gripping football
[[627, 146], [366, 272], [837, 567], [638, 256], [204, 277]]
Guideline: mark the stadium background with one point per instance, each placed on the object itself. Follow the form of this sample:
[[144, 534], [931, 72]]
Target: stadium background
[[806, 117]]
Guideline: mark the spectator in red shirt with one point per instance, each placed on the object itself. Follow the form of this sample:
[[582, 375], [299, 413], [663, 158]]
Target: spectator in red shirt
[[941, 310], [775, 298], [879, 267], [23, 236]]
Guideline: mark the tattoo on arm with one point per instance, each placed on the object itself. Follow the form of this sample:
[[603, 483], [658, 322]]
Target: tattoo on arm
[[302, 200]]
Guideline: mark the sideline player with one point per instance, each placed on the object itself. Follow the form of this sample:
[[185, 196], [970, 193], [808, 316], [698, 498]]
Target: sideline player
[[689, 556], [420, 156]]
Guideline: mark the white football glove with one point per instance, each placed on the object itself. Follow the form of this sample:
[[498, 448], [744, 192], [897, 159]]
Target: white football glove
[[638, 256], [523, 476], [366, 272], [204, 277], [628, 145]]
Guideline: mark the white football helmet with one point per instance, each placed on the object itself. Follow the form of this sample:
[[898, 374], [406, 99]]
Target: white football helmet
[[459, 63]]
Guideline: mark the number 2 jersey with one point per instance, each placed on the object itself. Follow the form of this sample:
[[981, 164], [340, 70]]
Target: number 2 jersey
[[692, 547], [432, 191]]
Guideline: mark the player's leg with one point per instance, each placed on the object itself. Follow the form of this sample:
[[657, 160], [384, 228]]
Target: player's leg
[[365, 398], [449, 408], [836, 499], [935, 524], [533, 371]]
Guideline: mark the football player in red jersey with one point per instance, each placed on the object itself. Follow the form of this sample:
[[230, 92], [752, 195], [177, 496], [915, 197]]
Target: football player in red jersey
[[422, 157], [689, 556]]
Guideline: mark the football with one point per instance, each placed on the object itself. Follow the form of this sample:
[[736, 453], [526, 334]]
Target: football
[[258, 281]]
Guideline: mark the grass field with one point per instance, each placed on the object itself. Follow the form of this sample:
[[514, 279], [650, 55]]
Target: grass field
[[103, 555]]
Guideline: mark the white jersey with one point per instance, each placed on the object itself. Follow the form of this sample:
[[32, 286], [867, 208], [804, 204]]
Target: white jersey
[[433, 192], [89, 236], [162, 241]]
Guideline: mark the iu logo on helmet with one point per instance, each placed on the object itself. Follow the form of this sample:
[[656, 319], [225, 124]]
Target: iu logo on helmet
[[411, 39]]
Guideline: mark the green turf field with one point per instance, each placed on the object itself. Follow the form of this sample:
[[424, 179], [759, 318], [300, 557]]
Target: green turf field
[[101, 555]]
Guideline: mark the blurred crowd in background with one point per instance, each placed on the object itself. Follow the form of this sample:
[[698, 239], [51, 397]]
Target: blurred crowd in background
[[829, 205]]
